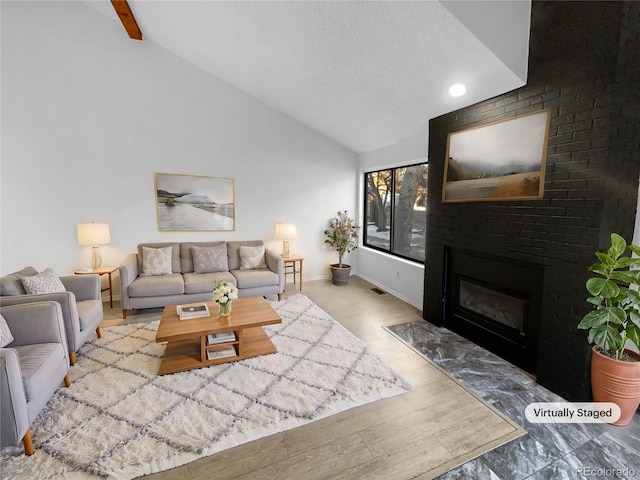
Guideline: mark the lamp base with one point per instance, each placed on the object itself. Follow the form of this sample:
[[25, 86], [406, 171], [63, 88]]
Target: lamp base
[[96, 259], [285, 248]]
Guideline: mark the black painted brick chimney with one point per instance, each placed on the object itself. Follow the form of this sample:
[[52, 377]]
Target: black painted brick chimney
[[584, 65]]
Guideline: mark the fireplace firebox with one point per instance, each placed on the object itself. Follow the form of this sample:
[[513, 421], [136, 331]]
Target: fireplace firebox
[[494, 302]]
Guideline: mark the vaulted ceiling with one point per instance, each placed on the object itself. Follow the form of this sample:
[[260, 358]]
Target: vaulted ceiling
[[366, 74]]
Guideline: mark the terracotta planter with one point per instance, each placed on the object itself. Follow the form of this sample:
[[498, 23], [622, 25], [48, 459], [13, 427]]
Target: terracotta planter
[[616, 381], [340, 274]]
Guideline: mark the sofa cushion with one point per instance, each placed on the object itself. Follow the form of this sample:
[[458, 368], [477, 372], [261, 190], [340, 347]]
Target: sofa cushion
[[5, 334], [255, 278], [186, 255], [203, 282], [175, 254], [11, 285], [44, 282], [252, 257], [157, 285], [156, 261], [88, 312], [233, 251], [210, 259], [38, 363]]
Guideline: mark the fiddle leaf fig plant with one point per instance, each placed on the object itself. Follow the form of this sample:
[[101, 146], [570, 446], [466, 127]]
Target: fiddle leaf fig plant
[[615, 317]]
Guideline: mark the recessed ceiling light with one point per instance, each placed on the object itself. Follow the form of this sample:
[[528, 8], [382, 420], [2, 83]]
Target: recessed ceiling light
[[457, 90]]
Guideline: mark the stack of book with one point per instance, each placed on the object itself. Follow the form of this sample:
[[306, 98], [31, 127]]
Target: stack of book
[[214, 338], [227, 352], [187, 312]]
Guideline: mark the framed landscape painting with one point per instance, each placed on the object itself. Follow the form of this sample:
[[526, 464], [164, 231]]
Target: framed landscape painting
[[190, 202], [503, 160]]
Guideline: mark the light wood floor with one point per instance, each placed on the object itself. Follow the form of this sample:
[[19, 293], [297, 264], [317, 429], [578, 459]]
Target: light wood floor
[[421, 434]]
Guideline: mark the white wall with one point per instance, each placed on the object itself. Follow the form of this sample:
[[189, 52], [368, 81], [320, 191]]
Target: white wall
[[88, 116], [397, 276]]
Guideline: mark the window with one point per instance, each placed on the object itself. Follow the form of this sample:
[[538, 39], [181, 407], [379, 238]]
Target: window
[[396, 211]]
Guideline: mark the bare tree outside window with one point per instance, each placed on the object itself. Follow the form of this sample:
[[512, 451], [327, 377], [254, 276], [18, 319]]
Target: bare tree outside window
[[378, 208], [395, 211]]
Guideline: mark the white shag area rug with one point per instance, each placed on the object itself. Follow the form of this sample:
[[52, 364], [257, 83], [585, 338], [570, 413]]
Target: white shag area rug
[[119, 419]]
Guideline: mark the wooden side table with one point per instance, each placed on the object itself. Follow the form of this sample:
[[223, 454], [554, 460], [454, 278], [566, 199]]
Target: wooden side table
[[293, 266], [101, 271]]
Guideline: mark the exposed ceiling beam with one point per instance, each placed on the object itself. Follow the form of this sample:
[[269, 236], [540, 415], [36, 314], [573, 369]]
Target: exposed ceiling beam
[[128, 20]]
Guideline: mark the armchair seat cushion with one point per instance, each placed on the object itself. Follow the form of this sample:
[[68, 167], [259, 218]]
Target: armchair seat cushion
[[90, 313], [39, 363], [156, 286], [262, 277], [203, 282]]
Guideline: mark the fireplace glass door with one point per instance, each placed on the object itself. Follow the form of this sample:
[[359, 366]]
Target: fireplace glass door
[[503, 308]]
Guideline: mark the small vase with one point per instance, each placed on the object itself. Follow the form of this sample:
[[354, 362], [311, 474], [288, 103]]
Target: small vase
[[224, 309]]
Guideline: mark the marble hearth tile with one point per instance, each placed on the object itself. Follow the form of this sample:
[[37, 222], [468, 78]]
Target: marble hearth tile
[[413, 332], [628, 436], [538, 393], [518, 458], [598, 456], [562, 469], [452, 350], [620, 455], [582, 432], [604, 454], [558, 438], [491, 386], [473, 469], [548, 451]]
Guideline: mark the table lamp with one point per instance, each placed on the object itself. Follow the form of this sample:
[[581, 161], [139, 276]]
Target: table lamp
[[94, 234], [286, 232]]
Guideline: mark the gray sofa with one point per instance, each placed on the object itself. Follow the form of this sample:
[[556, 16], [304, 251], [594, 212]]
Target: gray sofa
[[32, 367], [187, 283], [81, 304]]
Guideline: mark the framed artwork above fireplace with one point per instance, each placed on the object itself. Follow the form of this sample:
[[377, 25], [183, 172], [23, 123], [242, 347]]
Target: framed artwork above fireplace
[[502, 160]]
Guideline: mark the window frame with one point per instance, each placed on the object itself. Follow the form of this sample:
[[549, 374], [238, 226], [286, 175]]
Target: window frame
[[391, 217]]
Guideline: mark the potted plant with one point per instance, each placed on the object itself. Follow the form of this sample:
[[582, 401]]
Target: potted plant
[[342, 234], [614, 321]]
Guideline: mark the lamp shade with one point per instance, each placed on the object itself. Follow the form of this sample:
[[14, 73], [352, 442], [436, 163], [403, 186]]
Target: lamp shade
[[93, 234], [286, 231]]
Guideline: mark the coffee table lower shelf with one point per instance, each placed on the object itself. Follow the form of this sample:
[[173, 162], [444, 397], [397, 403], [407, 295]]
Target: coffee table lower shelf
[[182, 355]]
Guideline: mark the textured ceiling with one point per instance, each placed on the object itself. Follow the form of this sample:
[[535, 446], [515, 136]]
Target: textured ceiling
[[365, 74]]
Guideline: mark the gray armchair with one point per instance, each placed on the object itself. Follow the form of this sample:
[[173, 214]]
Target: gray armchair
[[32, 367], [81, 304]]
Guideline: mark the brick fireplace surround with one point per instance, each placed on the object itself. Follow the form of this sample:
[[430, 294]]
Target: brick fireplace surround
[[584, 65]]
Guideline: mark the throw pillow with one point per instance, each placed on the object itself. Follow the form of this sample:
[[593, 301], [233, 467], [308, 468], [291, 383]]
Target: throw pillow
[[5, 334], [156, 261], [44, 282], [210, 259], [252, 257]]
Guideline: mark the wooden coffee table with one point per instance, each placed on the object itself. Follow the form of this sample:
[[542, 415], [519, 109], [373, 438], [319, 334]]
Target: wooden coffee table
[[187, 345]]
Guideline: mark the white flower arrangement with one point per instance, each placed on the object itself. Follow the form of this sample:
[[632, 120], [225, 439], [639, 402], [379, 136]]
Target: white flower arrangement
[[224, 292]]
